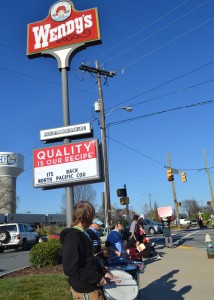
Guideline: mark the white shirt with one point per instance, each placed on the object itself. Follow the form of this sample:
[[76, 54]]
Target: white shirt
[[132, 227]]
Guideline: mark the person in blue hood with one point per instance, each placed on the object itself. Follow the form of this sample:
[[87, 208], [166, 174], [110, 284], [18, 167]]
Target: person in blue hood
[[115, 242], [85, 274]]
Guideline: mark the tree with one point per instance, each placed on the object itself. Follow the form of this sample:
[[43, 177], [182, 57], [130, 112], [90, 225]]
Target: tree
[[192, 207], [145, 210], [81, 192], [8, 198], [154, 212]]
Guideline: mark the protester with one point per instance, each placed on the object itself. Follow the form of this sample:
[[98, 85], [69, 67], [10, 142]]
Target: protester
[[149, 250], [139, 230], [167, 231], [136, 250], [133, 251], [114, 240], [200, 222], [85, 274], [132, 232], [94, 235], [125, 230]]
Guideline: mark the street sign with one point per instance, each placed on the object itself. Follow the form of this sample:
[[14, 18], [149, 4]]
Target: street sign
[[175, 171]]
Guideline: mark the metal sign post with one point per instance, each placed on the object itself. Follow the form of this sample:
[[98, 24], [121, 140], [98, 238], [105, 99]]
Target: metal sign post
[[59, 36]]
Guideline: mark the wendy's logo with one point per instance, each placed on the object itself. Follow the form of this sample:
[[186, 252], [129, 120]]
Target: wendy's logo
[[60, 11]]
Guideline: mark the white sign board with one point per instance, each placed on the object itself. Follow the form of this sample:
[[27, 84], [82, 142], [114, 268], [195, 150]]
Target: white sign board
[[165, 211], [67, 163], [62, 132]]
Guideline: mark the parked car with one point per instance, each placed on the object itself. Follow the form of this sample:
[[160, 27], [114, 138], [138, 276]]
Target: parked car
[[55, 236], [42, 238], [17, 235], [152, 227]]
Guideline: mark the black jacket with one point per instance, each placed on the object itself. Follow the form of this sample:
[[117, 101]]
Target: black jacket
[[79, 263]]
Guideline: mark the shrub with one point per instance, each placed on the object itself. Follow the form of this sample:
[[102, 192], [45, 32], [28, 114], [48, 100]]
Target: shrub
[[43, 232], [45, 254], [51, 230]]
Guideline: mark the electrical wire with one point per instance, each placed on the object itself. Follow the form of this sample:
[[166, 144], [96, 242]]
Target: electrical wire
[[160, 112]]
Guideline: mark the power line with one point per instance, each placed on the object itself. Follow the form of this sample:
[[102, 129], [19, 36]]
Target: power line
[[174, 92], [166, 82], [160, 112], [145, 27], [167, 43], [156, 161], [155, 32]]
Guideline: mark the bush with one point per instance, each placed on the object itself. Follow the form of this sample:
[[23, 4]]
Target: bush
[[45, 254], [43, 232], [51, 230]]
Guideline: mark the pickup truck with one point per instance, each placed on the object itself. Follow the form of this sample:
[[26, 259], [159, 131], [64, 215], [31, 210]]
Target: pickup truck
[[185, 222]]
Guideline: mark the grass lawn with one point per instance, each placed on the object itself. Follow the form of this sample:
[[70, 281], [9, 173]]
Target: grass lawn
[[35, 287]]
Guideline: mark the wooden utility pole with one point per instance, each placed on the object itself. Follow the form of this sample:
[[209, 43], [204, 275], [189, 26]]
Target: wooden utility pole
[[209, 180], [103, 134], [174, 193]]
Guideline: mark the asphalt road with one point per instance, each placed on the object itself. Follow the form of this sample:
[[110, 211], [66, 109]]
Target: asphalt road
[[12, 260]]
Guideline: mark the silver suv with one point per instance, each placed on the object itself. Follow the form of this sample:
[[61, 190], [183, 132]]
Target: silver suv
[[17, 235]]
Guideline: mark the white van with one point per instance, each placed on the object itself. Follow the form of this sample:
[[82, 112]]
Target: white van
[[185, 222]]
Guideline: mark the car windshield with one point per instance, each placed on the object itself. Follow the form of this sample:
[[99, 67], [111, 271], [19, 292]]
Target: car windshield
[[148, 222]]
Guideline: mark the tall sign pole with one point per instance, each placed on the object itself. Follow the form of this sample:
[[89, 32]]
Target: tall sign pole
[[60, 35]]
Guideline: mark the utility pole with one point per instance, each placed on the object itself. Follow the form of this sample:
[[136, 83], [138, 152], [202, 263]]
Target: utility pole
[[174, 193], [103, 133], [127, 207], [209, 179]]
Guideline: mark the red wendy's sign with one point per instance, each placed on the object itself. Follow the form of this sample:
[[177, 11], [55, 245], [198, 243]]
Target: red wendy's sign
[[64, 26]]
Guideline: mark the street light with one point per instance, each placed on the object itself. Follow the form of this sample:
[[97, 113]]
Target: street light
[[99, 107]]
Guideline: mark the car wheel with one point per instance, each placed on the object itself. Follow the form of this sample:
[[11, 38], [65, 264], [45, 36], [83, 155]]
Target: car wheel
[[24, 245], [152, 230], [1, 250], [4, 236]]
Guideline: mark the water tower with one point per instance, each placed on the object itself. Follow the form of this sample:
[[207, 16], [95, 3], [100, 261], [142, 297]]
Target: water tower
[[11, 166]]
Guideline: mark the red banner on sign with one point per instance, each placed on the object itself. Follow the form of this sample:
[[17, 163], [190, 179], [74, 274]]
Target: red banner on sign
[[63, 26], [64, 154]]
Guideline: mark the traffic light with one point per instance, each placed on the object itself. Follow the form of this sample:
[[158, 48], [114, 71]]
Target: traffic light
[[170, 175], [121, 193], [179, 203], [208, 203], [183, 177], [123, 201]]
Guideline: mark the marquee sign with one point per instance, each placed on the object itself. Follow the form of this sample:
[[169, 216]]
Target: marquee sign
[[67, 163], [64, 26]]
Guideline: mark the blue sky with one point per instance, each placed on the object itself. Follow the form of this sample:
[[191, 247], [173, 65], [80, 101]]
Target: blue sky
[[162, 53]]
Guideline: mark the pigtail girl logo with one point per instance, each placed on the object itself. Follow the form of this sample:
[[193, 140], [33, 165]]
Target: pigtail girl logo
[[60, 11]]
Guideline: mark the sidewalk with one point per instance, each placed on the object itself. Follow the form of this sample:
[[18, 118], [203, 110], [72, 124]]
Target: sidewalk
[[182, 273]]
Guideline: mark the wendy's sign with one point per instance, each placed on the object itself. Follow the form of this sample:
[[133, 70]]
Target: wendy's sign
[[64, 26]]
